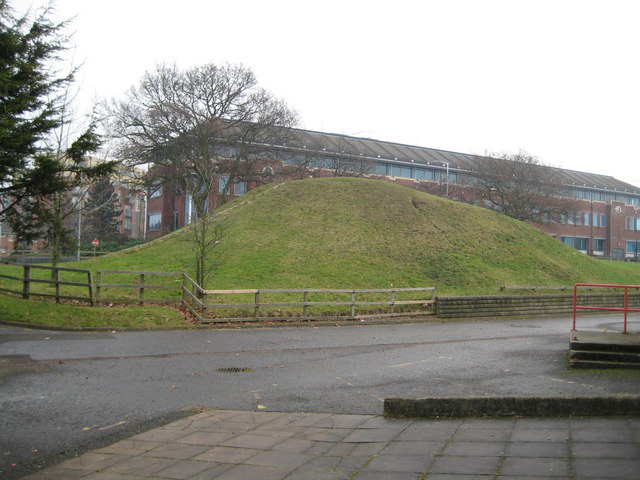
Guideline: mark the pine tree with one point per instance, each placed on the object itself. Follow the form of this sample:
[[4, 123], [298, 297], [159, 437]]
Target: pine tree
[[29, 101], [39, 177]]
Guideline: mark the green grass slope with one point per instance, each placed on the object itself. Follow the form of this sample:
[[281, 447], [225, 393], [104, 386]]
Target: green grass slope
[[359, 233]]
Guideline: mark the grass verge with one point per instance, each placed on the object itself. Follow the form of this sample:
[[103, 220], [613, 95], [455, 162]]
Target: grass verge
[[50, 314]]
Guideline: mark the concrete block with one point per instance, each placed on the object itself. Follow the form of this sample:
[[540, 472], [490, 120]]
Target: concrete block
[[520, 406]]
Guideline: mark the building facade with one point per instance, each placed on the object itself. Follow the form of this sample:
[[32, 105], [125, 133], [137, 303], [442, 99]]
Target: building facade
[[605, 223]]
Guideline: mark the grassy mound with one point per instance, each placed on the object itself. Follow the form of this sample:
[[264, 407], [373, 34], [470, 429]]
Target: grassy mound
[[359, 233]]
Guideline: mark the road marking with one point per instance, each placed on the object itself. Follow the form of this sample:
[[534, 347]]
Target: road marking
[[122, 422], [410, 363]]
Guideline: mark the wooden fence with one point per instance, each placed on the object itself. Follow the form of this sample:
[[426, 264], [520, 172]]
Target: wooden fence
[[207, 305], [202, 303], [29, 279], [138, 286]]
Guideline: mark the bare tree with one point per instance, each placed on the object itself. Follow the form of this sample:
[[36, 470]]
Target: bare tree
[[520, 186], [200, 124], [333, 155], [205, 235]]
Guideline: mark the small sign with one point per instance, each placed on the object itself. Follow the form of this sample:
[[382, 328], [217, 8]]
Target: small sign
[[95, 242]]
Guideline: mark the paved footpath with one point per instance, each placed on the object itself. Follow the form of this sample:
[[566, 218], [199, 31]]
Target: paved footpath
[[239, 445]]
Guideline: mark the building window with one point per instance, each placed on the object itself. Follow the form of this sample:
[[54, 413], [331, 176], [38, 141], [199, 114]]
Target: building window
[[424, 174], [222, 183], [398, 171], [155, 221], [587, 218], [157, 192], [603, 220], [579, 243], [598, 244], [633, 247], [381, 168], [225, 151], [240, 188]]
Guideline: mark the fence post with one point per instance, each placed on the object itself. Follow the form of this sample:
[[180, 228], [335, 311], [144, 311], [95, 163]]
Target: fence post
[[56, 281], [92, 295], [184, 287], [98, 282], [575, 309], [26, 280], [257, 302], [626, 308], [142, 289], [392, 299], [353, 303], [204, 305], [305, 307]]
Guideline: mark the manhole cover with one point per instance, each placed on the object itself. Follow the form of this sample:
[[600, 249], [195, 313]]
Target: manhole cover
[[235, 369]]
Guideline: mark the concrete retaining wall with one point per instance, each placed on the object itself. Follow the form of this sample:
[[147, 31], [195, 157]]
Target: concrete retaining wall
[[526, 305]]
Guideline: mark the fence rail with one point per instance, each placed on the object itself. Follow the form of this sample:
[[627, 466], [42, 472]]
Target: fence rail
[[28, 280], [140, 286], [201, 302], [625, 307], [148, 287]]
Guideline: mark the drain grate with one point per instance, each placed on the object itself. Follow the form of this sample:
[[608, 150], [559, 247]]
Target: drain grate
[[235, 369]]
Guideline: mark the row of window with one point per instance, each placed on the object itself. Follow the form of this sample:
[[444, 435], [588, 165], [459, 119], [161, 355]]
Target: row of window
[[582, 243], [239, 188], [633, 223], [584, 218], [419, 173], [607, 196]]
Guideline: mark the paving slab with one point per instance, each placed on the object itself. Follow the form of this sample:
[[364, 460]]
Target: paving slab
[[233, 445]]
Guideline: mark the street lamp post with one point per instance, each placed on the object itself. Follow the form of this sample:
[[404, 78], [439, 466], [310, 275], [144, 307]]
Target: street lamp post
[[446, 180]]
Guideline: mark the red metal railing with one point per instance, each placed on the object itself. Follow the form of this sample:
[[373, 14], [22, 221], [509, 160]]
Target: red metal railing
[[625, 308]]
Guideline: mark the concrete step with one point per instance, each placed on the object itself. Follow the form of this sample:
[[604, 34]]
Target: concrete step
[[578, 363], [599, 349], [608, 347], [605, 356]]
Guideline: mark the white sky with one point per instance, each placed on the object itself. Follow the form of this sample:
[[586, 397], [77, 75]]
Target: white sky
[[557, 78]]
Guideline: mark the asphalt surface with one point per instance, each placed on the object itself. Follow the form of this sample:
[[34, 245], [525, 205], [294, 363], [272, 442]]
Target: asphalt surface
[[63, 393]]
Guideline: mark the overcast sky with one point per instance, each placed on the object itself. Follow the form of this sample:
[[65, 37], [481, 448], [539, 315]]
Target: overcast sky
[[557, 78]]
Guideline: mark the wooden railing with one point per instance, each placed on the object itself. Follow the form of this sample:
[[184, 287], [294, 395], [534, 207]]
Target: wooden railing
[[28, 280], [138, 287], [211, 305], [203, 302]]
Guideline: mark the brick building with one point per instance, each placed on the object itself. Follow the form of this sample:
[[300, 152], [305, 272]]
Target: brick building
[[605, 223]]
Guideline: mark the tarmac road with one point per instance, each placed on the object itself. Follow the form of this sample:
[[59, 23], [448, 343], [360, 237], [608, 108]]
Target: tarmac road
[[62, 393]]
